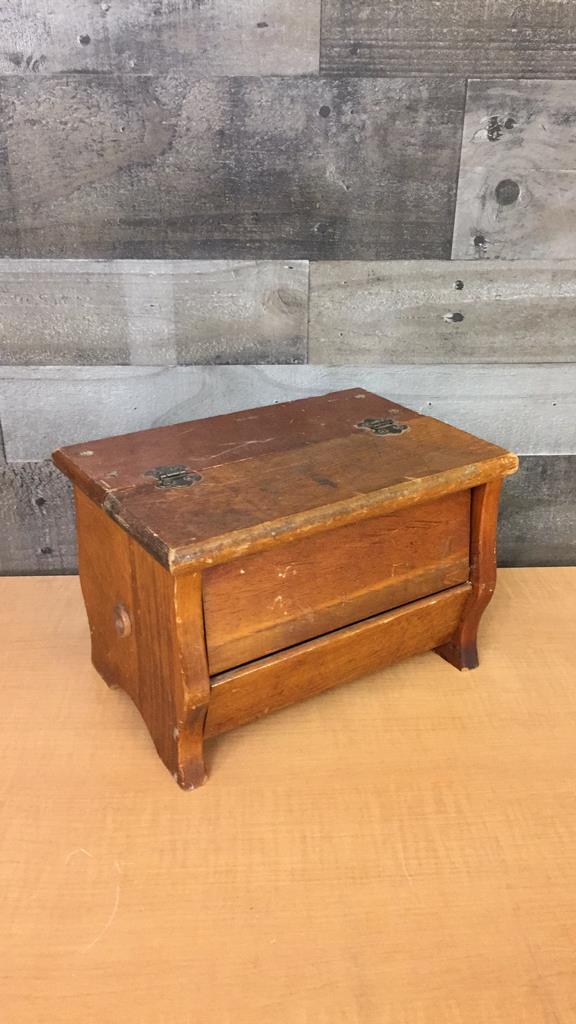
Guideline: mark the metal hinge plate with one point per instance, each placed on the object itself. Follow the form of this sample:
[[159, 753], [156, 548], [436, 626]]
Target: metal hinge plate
[[173, 476], [382, 426]]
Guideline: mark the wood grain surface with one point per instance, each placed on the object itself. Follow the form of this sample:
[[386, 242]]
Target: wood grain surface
[[147, 636], [397, 850], [224, 311], [537, 524], [530, 409], [466, 38], [152, 311], [37, 532], [277, 167], [280, 597], [516, 190], [538, 513], [297, 673], [462, 647], [121, 464], [281, 473], [426, 311], [202, 38]]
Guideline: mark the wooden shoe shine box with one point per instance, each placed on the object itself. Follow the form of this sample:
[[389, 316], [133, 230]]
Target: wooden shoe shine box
[[233, 565]]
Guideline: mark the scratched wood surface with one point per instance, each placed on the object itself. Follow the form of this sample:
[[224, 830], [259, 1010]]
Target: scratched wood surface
[[152, 311], [290, 465], [442, 312], [516, 191], [141, 166], [202, 38], [467, 38], [530, 409], [416, 865], [267, 602]]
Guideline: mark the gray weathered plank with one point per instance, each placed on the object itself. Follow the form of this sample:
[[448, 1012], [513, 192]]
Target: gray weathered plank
[[538, 513], [36, 512], [279, 167], [517, 184], [467, 38], [202, 38], [530, 409], [2, 452], [537, 520], [152, 311], [442, 312]]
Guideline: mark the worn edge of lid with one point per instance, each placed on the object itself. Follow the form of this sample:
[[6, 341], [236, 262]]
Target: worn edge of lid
[[215, 550], [99, 489], [94, 489]]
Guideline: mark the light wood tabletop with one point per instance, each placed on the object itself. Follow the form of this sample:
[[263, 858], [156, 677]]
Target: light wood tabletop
[[417, 866]]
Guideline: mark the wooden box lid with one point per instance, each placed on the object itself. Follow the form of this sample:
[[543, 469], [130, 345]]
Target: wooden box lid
[[201, 492]]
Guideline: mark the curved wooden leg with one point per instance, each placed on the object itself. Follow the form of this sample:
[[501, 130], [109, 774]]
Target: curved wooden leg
[[193, 688], [462, 651], [190, 771]]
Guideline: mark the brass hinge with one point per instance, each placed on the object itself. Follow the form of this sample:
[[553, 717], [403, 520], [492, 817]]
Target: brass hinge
[[382, 426], [173, 476]]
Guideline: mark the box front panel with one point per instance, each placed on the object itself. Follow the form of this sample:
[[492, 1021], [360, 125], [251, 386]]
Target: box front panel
[[269, 601]]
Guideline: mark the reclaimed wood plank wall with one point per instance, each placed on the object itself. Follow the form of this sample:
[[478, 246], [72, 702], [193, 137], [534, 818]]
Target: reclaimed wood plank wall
[[207, 206]]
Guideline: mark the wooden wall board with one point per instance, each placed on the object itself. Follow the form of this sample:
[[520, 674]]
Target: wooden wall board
[[516, 189], [442, 312], [37, 517], [152, 311], [279, 167], [538, 513], [396, 851], [468, 38], [202, 38], [530, 409]]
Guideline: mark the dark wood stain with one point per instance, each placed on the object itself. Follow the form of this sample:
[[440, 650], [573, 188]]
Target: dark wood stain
[[218, 587], [265, 487], [121, 463]]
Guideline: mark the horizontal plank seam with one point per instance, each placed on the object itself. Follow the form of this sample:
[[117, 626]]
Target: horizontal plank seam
[[314, 642], [461, 564]]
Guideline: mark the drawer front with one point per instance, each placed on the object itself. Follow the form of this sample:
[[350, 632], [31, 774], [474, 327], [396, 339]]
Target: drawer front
[[271, 600]]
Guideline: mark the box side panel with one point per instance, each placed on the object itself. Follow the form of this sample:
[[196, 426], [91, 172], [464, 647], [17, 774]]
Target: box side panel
[[106, 579]]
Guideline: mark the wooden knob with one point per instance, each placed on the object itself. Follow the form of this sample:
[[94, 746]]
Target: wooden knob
[[122, 621]]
